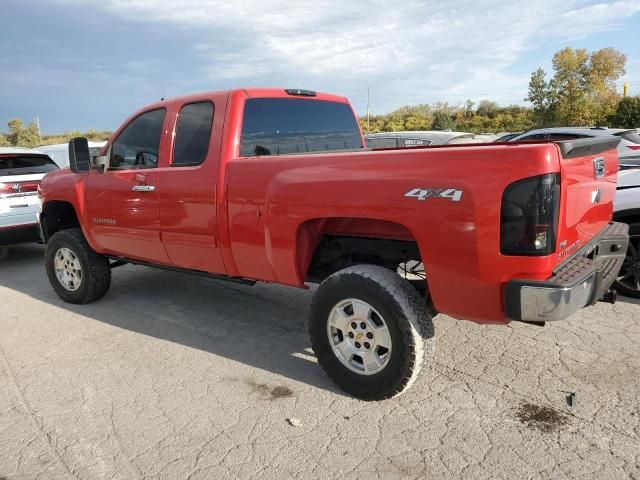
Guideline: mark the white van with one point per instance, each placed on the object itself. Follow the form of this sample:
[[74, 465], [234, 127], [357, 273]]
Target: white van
[[59, 152]]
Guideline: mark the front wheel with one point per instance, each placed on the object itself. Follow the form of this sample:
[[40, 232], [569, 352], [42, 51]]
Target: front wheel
[[370, 331], [628, 281], [75, 271]]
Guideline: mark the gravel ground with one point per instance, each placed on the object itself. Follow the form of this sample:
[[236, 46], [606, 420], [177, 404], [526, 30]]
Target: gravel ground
[[173, 376]]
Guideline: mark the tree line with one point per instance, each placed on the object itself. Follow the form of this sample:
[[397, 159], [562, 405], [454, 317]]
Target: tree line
[[580, 92], [20, 135]]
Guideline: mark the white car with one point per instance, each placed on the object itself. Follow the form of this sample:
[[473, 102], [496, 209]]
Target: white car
[[423, 138], [59, 152], [626, 207], [21, 170]]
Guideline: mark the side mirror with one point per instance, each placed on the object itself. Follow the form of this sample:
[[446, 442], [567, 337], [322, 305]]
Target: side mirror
[[79, 159]]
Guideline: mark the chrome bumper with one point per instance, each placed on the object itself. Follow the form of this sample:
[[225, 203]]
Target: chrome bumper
[[577, 283]]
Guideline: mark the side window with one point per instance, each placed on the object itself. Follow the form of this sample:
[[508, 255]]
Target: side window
[[193, 132], [139, 143], [382, 142], [534, 137], [565, 136]]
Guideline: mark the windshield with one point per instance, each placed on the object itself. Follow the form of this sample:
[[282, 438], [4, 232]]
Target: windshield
[[273, 126], [25, 165]]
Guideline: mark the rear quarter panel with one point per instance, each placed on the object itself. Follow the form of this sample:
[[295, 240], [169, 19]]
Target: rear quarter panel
[[271, 198]]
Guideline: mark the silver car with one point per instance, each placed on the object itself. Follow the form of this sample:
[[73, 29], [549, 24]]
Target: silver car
[[628, 149], [422, 138]]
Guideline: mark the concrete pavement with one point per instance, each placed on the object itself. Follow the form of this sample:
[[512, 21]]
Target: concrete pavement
[[172, 376]]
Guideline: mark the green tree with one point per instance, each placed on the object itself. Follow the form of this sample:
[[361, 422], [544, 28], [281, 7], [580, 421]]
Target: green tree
[[15, 128], [21, 136], [543, 98], [582, 90], [570, 82], [442, 121], [606, 66], [627, 114], [487, 108], [4, 142]]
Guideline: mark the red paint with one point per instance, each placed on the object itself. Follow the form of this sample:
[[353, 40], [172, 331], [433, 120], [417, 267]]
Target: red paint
[[261, 217]]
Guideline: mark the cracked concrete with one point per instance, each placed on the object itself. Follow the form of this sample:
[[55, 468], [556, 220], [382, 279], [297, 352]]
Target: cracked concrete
[[172, 376]]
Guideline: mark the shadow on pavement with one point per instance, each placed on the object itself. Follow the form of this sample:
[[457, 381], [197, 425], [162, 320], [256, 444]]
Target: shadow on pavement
[[263, 326], [635, 301]]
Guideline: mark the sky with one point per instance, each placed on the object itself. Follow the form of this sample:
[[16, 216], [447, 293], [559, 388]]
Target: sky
[[78, 65]]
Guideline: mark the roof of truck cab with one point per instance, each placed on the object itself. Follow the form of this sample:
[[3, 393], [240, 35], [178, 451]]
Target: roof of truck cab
[[252, 92]]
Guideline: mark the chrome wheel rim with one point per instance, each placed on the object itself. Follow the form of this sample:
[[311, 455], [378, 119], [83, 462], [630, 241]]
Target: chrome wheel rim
[[629, 275], [68, 269], [359, 336]]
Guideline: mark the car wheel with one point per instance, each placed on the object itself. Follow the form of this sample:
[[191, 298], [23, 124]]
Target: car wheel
[[628, 281], [75, 271], [4, 253], [371, 331]]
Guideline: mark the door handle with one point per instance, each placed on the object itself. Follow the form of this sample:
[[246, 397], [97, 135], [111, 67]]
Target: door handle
[[143, 188]]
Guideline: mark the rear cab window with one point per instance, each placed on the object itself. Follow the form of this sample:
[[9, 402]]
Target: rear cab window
[[192, 134], [25, 164], [274, 126]]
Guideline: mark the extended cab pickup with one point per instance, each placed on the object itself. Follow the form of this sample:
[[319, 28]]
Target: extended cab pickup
[[275, 186]]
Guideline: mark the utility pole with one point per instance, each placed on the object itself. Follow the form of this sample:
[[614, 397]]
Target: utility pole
[[368, 124], [38, 125], [625, 89]]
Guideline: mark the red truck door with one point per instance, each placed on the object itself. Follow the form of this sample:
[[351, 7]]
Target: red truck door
[[123, 202], [188, 195]]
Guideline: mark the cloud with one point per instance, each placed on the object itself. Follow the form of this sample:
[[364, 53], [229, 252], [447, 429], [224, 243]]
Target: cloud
[[460, 48]]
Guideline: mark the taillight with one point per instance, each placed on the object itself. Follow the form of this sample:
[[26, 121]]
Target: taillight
[[633, 147], [18, 189], [529, 216]]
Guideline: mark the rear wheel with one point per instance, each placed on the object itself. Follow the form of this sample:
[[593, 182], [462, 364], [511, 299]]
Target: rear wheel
[[75, 271], [371, 331], [628, 281]]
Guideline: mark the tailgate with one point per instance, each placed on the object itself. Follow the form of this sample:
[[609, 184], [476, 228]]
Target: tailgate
[[589, 170]]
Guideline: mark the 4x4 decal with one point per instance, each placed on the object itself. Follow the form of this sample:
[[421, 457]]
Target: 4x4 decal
[[424, 193]]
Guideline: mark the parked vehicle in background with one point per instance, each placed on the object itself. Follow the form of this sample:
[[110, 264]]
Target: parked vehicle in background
[[505, 137], [422, 138], [59, 152], [21, 171], [627, 209], [274, 185], [628, 148]]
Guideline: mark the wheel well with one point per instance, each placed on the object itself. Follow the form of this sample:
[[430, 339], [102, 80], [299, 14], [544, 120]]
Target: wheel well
[[56, 216], [336, 252]]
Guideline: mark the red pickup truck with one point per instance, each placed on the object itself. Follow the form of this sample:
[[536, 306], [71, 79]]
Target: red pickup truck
[[276, 186]]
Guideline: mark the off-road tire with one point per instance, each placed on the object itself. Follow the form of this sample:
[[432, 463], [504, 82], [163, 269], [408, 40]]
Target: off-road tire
[[96, 272], [403, 310], [633, 249]]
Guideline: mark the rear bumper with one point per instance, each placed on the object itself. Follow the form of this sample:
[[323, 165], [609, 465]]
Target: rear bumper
[[19, 234], [579, 282]]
